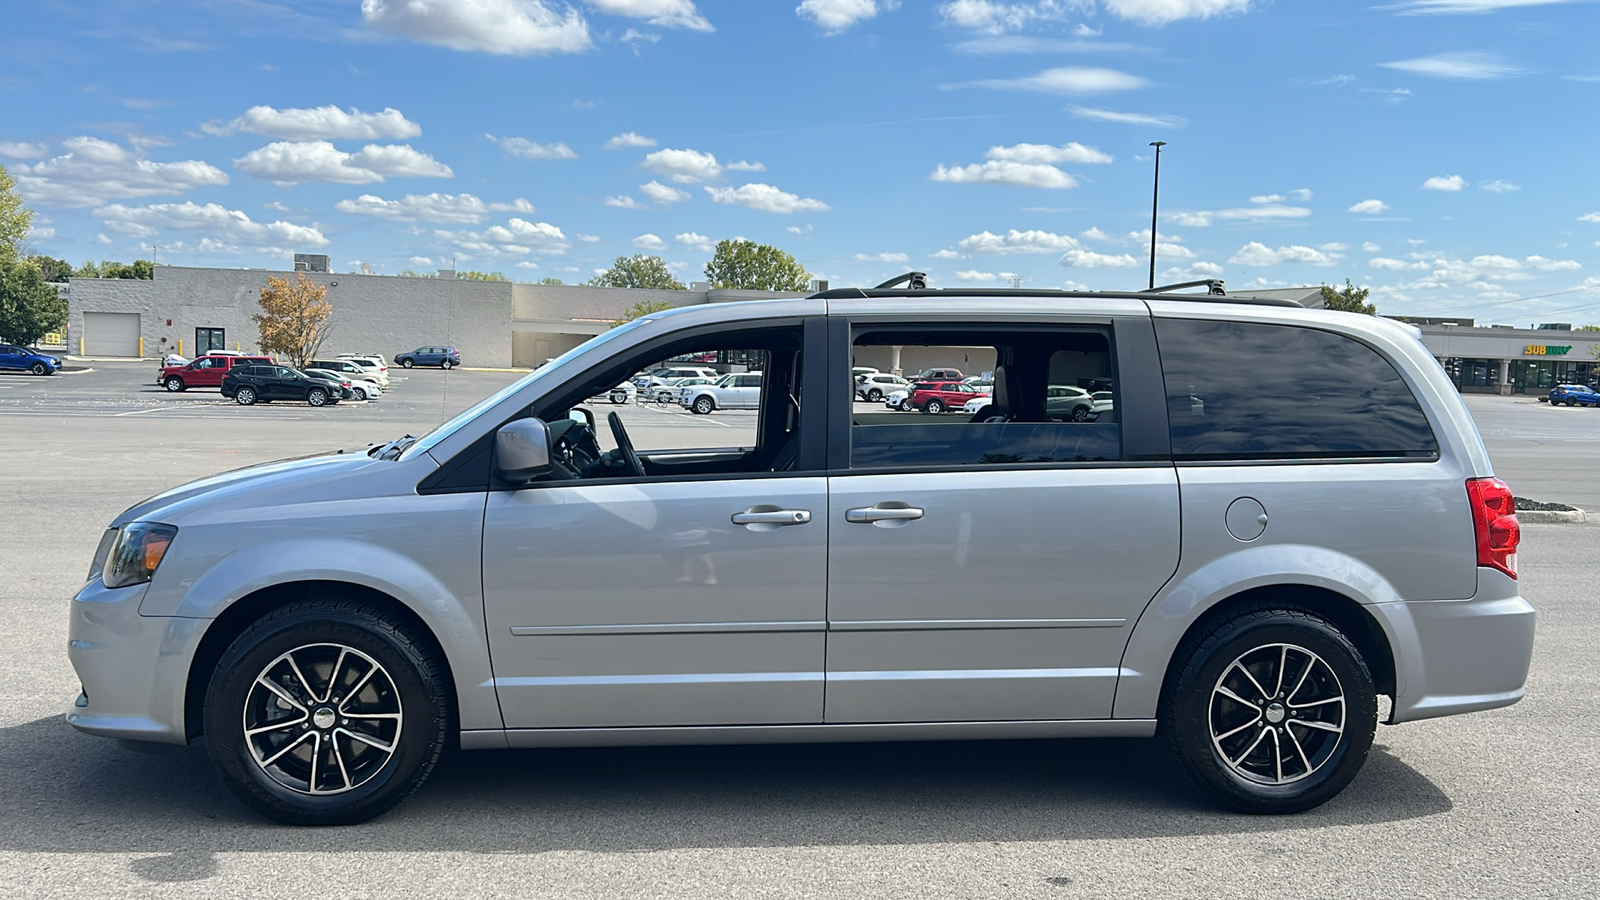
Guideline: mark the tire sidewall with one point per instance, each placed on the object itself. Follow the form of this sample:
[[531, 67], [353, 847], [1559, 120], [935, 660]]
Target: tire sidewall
[[244, 396], [174, 384], [421, 734], [704, 405], [315, 393], [1189, 726], [406, 363], [39, 368]]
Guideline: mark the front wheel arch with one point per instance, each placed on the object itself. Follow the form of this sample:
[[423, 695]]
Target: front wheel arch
[[239, 615]]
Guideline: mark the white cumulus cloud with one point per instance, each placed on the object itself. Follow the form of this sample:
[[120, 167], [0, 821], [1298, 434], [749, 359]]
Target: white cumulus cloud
[[697, 241], [1163, 12], [682, 166], [1444, 183], [289, 162], [834, 16], [1369, 207], [1259, 254], [518, 237], [1072, 152], [219, 223], [975, 275], [1590, 217], [664, 194], [629, 139], [1088, 259], [660, 13], [996, 17], [506, 27], [1069, 80], [522, 148], [649, 242], [1015, 241], [92, 171], [882, 257], [623, 201], [319, 122], [23, 150], [1499, 187], [1005, 172], [765, 198], [451, 209]]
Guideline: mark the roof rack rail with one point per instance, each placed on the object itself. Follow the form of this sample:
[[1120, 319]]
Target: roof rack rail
[[1213, 286], [918, 281]]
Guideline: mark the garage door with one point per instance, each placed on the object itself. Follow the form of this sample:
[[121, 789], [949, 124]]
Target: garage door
[[110, 334]]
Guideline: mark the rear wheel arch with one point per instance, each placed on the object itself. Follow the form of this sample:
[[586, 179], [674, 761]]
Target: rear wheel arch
[[1357, 624], [245, 611]]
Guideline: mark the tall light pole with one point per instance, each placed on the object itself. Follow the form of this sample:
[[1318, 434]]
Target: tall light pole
[[1154, 199]]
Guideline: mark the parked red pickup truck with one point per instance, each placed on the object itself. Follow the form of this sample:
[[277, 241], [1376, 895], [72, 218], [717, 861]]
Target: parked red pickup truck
[[204, 371]]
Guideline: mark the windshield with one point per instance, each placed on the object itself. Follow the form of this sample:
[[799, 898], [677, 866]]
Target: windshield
[[429, 440]]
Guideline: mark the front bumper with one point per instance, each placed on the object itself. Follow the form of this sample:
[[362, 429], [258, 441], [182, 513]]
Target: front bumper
[[1457, 656], [134, 669]]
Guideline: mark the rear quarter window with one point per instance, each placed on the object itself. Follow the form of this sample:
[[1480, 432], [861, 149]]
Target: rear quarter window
[[1247, 391]]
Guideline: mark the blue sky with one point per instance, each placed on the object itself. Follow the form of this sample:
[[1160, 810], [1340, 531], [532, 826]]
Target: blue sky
[[1439, 151]]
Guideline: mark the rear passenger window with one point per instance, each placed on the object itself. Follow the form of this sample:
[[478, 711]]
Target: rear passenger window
[[1239, 390], [1039, 410]]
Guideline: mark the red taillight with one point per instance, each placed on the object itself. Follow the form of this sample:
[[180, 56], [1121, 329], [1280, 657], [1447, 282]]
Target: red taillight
[[1494, 521]]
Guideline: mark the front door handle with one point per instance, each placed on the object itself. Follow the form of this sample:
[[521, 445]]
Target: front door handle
[[870, 514], [775, 517]]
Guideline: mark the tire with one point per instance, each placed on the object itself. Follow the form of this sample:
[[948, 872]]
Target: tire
[[360, 771], [406, 363], [445, 364], [39, 368], [703, 405], [1203, 718], [317, 397], [618, 399], [1080, 414], [360, 392], [934, 407], [874, 396], [906, 405], [1572, 401], [244, 396], [174, 384]]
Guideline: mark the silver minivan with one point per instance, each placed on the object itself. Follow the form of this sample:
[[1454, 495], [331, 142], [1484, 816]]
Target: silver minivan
[[1289, 512]]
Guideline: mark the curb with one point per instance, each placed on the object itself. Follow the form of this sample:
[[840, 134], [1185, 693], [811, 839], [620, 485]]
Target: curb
[[1552, 517], [489, 369], [83, 371]]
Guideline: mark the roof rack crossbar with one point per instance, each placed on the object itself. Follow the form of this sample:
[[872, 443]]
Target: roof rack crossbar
[[1212, 286]]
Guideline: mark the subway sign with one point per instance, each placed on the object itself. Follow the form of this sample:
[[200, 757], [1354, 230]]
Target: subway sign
[[1545, 350]]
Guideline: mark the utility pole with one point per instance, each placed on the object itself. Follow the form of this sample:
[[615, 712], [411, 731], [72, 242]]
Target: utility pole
[[1155, 199]]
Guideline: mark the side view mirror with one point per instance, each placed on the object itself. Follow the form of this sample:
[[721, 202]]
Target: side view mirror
[[522, 450], [581, 416]]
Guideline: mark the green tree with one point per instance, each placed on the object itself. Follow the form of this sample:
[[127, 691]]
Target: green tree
[[411, 273], [30, 307], [56, 270], [294, 317], [642, 308], [15, 219], [548, 280], [638, 271], [1351, 299], [747, 265], [482, 276], [139, 268]]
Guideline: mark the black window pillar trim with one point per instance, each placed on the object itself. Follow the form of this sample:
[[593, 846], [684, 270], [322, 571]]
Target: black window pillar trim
[[1141, 390]]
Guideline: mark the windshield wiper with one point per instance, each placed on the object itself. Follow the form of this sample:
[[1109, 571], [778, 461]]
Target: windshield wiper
[[393, 449]]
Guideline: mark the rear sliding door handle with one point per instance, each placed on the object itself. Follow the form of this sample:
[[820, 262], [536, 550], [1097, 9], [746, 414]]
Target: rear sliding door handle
[[870, 514], [773, 517]]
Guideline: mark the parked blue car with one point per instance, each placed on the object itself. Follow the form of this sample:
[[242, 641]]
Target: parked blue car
[[1574, 395], [443, 357], [21, 359]]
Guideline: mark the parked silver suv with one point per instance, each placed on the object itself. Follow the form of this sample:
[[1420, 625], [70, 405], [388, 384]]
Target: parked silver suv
[[1266, 563]]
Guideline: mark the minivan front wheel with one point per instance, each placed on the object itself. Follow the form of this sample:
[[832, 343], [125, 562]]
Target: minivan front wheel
[[326, 713], [1273, 711]]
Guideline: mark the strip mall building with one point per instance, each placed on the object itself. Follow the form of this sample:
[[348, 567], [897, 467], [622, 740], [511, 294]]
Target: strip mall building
[[505, 324]]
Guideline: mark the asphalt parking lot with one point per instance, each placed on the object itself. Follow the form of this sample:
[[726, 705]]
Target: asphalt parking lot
[[1498, 804]]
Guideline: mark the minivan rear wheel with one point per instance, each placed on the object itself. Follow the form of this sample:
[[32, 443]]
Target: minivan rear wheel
[[326, 712], [1273, 711]]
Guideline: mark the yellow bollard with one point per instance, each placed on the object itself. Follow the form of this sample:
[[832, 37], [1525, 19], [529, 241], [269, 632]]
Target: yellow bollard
[[180, 346], [141, 346]]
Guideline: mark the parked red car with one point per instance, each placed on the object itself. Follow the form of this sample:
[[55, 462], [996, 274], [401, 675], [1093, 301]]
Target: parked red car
[[205, 371], [937, 396]]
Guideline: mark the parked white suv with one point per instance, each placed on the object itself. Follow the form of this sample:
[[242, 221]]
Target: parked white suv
[[740, 390], [1263, 568]]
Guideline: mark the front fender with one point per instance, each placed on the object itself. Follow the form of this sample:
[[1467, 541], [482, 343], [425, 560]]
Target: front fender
[[1190, 595]]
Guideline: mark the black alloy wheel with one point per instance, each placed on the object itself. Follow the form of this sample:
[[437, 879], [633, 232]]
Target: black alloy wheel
[[39, 368], [1080, 414], [326, 712], [874, 395], [1273, 710]]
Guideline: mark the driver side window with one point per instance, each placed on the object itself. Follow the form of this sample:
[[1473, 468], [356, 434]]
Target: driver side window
[[724, 405]]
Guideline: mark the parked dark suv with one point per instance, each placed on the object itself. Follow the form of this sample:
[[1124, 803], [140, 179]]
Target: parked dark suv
[[249, 384], [443, 357]]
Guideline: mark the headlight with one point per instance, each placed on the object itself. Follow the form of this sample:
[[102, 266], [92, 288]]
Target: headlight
[[102, 552], [137, 551]]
